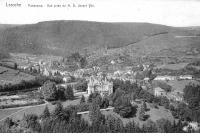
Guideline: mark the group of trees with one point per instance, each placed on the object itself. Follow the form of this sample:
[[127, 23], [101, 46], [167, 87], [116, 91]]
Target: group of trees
[[66, 120], [191, 110], [29, 84], [52, 93], [103, 102], [122, 104], [124, 92], [24, 84], [76, 59]]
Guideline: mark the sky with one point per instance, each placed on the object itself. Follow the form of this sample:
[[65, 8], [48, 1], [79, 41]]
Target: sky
[[179, 13]]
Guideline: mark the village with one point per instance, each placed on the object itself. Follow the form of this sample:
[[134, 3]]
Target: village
[[143, 75], [97, 80]]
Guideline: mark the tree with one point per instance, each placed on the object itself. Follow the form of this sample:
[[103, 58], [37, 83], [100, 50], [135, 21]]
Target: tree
[[58, 109], [49, 91], [45, 114], [124, 108], [142, 113], [15, 65], [61, 93], [59, 114], [69, 93], [82, 100], [30, 121], [6, 126], [113, 124], [164, 126], [144, 106], [105, 102], [93, 96], [95, 114]]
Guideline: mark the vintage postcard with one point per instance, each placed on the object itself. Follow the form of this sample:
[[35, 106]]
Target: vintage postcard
[[99, 66]]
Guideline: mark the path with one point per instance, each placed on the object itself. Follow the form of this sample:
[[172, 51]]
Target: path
[[22, 108], [25, 108]]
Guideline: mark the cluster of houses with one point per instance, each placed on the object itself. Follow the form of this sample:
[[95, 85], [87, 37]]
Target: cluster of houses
[[102, 84], [175, 96]]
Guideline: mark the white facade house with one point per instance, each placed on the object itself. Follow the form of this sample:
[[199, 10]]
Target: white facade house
[[185, 77], [159, 92], [67, 79], [193, 125]]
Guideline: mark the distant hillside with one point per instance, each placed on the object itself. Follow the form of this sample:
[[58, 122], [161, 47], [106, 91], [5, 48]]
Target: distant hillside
[[64, 37], [4, 53]]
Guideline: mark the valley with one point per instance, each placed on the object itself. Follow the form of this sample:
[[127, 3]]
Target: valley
[[137, 74]]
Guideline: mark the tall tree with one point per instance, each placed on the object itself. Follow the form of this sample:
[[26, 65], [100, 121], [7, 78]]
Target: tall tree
[[82, 99], [144, 106], [95, 114], [69, 93], [142, 113], [30, 121], [49, 91], [45, 114]]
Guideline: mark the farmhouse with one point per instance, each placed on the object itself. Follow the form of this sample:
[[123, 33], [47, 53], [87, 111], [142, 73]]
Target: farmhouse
[[159, 92]]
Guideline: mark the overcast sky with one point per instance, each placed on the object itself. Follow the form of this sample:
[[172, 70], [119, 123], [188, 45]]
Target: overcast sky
[[168, 12]]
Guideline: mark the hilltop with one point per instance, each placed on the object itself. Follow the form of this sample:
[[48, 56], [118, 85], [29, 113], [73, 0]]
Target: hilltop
[[96, 38]]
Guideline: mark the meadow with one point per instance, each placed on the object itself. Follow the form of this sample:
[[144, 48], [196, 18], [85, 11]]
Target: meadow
[[11, 76]]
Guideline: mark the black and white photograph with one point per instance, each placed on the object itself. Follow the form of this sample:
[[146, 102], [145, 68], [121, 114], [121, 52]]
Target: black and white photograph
[[99, 66]]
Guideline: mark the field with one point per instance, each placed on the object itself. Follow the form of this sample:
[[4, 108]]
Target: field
[[24, 59], [38, 109], [178, 86], [18, 101], [173, 66], [7, 112], [12, 76]]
